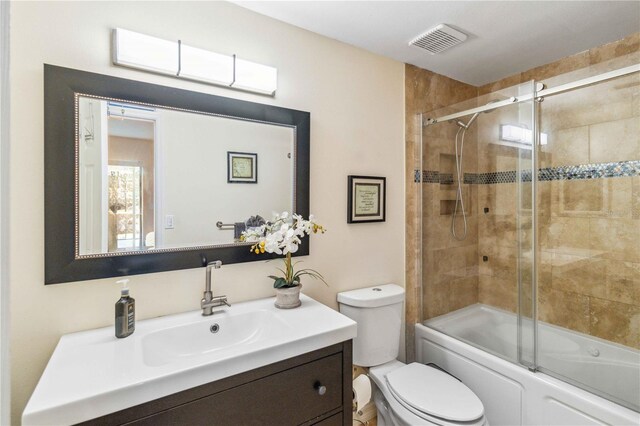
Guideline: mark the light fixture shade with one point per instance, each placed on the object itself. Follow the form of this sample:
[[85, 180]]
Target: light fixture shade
[[202, 65], [255, 77], [519, 134], [137, 50]]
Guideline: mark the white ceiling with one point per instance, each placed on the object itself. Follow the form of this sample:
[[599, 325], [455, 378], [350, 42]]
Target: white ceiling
[[505, 37]]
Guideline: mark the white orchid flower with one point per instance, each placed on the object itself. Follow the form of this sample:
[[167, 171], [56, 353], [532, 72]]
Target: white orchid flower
[[284, 236]]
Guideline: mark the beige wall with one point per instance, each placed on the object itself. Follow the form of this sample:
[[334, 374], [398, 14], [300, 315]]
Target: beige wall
[[356, 102]]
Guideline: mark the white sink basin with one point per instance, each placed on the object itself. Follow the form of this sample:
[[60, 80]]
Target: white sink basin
[[211, 335], [92, 373]]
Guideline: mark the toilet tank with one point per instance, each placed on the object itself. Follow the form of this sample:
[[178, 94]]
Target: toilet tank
[[378, 312]]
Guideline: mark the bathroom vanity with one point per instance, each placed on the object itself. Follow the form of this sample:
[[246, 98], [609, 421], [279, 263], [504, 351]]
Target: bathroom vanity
[[247, 364]]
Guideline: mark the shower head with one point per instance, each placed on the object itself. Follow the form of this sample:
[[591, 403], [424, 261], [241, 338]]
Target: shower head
[[466, 126]]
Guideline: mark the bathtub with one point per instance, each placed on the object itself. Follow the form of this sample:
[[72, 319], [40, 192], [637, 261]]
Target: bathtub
[[511, 394]]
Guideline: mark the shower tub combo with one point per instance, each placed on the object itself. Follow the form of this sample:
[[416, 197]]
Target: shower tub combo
[[530, 297]]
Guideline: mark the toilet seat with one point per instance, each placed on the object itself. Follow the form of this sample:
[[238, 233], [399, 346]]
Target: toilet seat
[[445, 400]]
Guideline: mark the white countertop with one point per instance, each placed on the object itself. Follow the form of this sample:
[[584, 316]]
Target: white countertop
[[92, 373]]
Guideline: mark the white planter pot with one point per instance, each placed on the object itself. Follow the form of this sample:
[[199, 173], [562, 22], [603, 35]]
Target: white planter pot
[[288, 298]]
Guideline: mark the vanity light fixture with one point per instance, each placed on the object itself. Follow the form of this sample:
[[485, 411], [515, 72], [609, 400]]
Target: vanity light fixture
[[135, 50], [140, 51], [519, 135], [202, 65]]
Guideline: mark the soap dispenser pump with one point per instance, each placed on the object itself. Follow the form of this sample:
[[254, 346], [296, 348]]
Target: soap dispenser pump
[[125, 312]]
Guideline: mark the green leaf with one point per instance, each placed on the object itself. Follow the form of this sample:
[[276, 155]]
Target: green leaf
[[311, 273], [280, 283]]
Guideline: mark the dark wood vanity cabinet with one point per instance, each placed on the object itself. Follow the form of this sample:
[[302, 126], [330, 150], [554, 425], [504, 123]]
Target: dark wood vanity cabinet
[[310, 389]]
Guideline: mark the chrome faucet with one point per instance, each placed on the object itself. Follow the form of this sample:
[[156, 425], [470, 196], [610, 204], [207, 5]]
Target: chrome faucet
[[209, 302]]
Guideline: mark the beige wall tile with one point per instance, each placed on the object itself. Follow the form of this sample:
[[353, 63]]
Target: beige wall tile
[[486, 197], [566, 235], [619, 197], [502, 262], [436, 299], [625, 46], [582, 197], [567, 147], [615, 141], [617, 239], [428, 194], [623, 282], [512, 80], [506, 199], [608, 101], [614, 321], [564, 65], [635, 197], [463, 292], [499, 292], [498, 230], [582, 275], [569, 310]]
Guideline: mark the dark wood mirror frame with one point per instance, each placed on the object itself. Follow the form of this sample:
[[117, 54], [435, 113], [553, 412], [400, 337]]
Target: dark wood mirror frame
[[60, 88]]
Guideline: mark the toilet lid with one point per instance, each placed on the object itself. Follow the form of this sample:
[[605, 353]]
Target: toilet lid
[[434, 392]]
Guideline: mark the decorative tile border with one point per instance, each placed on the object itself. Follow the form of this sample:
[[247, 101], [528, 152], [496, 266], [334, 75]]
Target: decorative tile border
[[429, 176], [591, 171], [581, 171]]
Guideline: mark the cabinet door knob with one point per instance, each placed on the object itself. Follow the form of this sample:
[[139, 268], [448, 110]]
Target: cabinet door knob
[[320, 388]]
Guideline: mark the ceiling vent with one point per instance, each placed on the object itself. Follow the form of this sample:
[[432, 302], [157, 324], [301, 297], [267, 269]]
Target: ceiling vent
[[438, 39]]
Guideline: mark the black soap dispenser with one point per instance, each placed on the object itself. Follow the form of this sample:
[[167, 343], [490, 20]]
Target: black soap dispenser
[[125, 312]]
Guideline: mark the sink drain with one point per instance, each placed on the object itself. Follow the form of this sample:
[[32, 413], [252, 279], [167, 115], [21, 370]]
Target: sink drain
[[214, 328]]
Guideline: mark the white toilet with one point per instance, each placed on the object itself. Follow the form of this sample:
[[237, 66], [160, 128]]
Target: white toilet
[[407, 394]]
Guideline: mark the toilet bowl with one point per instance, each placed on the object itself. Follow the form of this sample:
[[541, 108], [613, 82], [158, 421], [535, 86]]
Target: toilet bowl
[[417, 394], [404, 394]]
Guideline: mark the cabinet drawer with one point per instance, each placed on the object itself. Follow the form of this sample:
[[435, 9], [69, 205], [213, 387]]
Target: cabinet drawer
[[335, 420], [290, 397]]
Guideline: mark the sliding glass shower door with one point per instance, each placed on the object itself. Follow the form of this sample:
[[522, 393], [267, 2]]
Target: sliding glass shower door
[[477, 220], [589, 232], [531, 227]]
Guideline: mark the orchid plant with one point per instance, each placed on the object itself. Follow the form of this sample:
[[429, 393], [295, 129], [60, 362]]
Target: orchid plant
[[283, 235]]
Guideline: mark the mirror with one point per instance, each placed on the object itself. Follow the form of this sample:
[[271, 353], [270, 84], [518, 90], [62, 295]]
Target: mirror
[[145, 178], [157, 178]]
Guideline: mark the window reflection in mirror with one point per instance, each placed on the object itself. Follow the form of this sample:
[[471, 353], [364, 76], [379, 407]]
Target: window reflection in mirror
[[158, 178]]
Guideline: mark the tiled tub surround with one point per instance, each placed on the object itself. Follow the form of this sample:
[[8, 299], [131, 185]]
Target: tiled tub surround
[[589, 268], [589, 242]]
